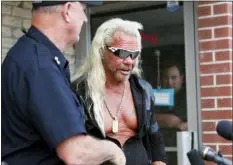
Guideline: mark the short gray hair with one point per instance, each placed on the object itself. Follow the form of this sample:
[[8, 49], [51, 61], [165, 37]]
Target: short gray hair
[[46, 9]]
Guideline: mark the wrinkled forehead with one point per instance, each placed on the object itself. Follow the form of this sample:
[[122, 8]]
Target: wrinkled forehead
[[125, 41]]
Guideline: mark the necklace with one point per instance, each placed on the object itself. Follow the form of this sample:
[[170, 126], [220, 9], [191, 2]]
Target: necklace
[[115, 118]]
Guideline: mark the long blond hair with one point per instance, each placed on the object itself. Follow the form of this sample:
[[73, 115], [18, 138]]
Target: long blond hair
[[93, 72]]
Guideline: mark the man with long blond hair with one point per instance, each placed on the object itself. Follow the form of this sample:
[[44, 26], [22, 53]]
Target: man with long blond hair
[[119, 104]]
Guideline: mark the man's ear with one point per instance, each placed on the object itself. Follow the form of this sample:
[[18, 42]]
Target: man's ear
[[66, 14]]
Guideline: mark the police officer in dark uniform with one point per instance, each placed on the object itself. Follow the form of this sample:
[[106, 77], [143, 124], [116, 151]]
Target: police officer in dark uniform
[[42, 120]]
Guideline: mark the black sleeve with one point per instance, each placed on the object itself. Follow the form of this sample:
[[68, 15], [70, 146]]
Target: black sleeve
[[156, 138], [156, 142]]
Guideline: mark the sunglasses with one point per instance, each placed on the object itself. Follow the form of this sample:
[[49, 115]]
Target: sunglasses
[[122, 53]]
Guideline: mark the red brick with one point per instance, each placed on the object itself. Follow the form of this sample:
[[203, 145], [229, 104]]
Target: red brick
[[218, 44], [208, 126], [226, 102], [216, 91], [207, 80], [223, 55], [209, 162], [216, 115], [204, 11], [224, 79], [207, 103], [206, 57], [205, 34], [213, 138], [216, 68], [205, 2], [215, 21], [223, 32], [229, 157], [223, 9], [226, 149]]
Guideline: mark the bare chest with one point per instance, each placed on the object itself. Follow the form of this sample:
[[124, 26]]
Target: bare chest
[[126, 117]]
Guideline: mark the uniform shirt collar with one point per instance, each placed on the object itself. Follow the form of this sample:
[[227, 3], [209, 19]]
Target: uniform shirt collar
[[57, 55]]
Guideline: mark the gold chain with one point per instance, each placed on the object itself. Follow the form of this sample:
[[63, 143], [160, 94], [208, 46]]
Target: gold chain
[[121, 104]]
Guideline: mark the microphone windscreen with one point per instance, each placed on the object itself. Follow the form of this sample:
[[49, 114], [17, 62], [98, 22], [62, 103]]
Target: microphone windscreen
[[195, 158], [224, 129]]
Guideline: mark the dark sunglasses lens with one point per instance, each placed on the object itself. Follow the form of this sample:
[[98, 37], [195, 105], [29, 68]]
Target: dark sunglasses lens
[[134, 55], [124, 54], [117, 53]]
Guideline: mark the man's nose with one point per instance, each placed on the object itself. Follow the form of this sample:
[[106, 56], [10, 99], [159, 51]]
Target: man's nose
[[170, 82], [129, 60]]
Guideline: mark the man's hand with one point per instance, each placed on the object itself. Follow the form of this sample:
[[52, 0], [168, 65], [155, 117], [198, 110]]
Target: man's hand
[[168, 120], [183, 126], [84, 149], [118, 157], [158, 163]]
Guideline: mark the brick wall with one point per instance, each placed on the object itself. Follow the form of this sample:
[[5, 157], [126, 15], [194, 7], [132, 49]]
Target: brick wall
[[215, 54], [15, 15]]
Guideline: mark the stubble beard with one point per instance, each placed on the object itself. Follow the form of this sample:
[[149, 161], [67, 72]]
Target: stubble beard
[[119, 77]]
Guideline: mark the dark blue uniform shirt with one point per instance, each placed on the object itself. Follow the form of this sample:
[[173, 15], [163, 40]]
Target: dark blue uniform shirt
[[39, 109]]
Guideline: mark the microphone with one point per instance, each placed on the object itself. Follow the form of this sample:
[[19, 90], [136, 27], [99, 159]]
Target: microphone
[[225, 130], [195, 158], [209, 154]]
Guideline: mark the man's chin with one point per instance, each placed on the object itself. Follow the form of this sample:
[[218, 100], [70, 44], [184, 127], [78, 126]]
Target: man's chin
[[74, 41], [122, 78]]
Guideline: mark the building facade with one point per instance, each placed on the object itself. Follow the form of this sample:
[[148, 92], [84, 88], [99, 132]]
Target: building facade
[[215, 54]]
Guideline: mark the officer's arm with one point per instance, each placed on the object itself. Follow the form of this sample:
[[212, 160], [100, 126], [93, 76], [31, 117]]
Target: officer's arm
[[84, 149], [56, 115]]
